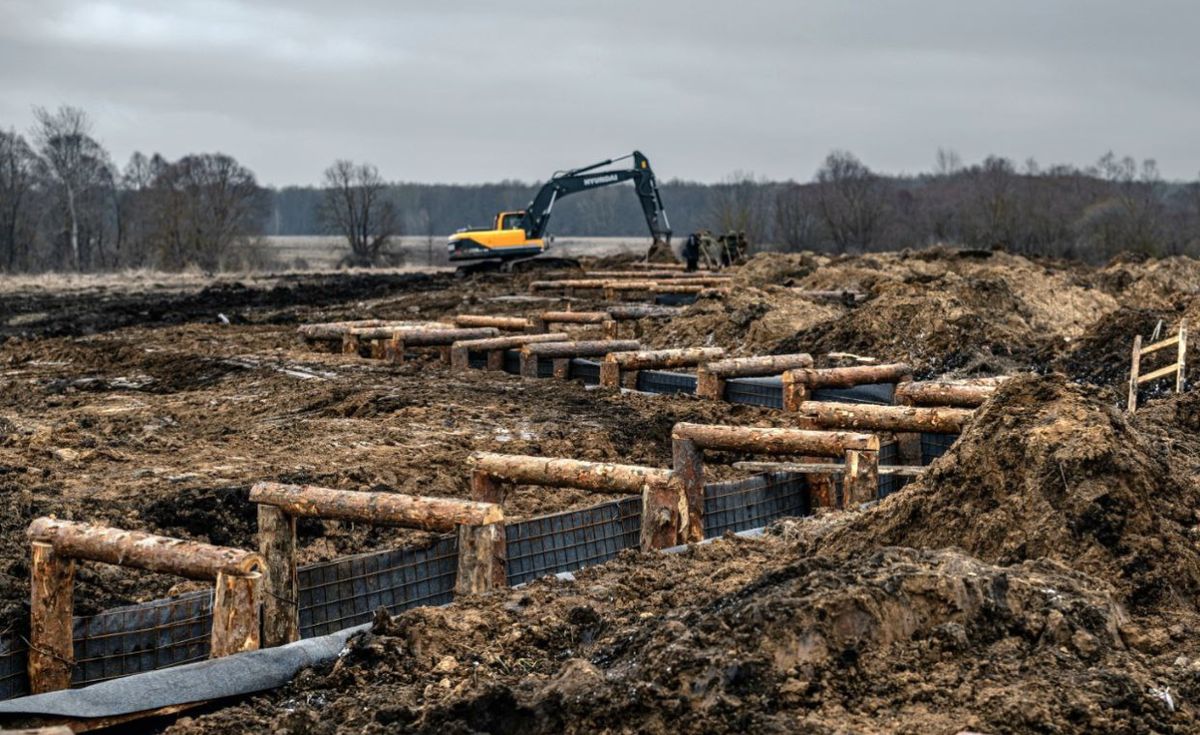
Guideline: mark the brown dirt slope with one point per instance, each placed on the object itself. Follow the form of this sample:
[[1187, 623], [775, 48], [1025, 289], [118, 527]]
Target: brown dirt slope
[[1049, 470]]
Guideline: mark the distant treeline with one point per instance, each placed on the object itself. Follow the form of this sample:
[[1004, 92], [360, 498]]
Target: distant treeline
[[64, 205]]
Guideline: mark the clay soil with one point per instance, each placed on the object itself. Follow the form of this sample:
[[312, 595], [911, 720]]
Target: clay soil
[[1041, 577]]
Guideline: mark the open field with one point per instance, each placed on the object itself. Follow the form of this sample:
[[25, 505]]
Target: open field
[[1042, 576]]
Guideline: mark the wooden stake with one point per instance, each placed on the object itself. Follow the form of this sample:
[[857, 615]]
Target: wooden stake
[[486, 489], [664, 515], [1133, 373], [51, 650], [861, 483], [281, 585], [235, 614], [687, 461], [482, 559], [1179, 379]]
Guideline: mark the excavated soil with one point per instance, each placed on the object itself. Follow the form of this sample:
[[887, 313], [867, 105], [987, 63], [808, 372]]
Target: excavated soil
[[1042, 576]]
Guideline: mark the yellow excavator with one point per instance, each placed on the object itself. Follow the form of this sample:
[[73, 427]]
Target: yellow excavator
[[518, 237]]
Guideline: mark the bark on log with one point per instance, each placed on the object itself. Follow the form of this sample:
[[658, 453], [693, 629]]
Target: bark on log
[[848, 377], [573, 317], [628, 312], [389, 330], [684, 289], [945, 393], [503, 323], [482, 559], [235, 617], [867, 417], [460, 351], [687, 461], [583, 283], [651, 359], [139, 550], [774, 441], [644, 275], [437, 337], [661, 266], [393, 509], [711, 377], [861, 482], [552, 472], [51, 651], [486, 488], [581, 348], [664, 515], [335, 330], [281, 584]]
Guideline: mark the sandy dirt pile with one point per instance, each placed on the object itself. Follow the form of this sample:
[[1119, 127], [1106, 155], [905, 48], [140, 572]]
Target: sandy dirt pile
[[746, 636], [1049, 470]]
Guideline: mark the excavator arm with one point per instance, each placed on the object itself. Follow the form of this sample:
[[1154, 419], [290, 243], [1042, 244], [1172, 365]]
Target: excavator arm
[[565, 183]]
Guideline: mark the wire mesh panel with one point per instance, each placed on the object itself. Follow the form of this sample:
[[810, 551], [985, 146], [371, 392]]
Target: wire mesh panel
[[345, 592], [564, 542], [145, 637], [661, 381], [14, 659], [877, 393], [586, 370], [889, 454], [476, 360], [754, 502], [766, 392], [935, 445], [675, 299]]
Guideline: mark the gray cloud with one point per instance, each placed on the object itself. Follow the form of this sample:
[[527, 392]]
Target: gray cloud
[[484, 90]]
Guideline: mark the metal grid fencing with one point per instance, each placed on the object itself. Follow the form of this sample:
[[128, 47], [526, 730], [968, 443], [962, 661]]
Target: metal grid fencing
[[766, 392], [14, 677], [737, 505], [344, 592], [935, 445], [889, 454], [564, 542], [877, 393], [586, 370], [661, 381]]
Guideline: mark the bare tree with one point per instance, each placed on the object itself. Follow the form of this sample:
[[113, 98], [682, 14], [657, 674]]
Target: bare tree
[[17, 180], [796, 220], [355, 206], [741, 205], [948, 162], [851, 201], [75, 163]]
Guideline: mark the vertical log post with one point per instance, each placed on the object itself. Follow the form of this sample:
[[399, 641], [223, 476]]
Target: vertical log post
[[350, 344], [495, 360], [562, 367], [487, 488], [482, 559], [281, 586], [1134, 372], [687, 462], [394, 353], [794, 394], [235, 613], [664, 514], [861, 482], [51, 652]]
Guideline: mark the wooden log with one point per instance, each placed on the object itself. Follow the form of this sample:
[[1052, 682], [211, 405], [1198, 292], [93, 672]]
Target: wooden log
[[775, 441], [825, 468], [629, 312], [532, 353], [867, 417], [580, 283], [690, 287], [646, 275], [392, 509], [235, 616], [652, 359], [660, 266], [389, 330], [861, 482], [664, 515], [931, 393], [281, 583], [798, 384], [482, 559], [140, 550], [460, 351], [711, 377], [437, 337], [334, 330], [573, 317], [51, 651], [554, 472], [621, 286], [687, 462], [503, 323]]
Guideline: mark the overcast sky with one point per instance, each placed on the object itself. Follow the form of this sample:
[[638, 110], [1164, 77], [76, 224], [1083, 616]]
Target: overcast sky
[[483, 90]]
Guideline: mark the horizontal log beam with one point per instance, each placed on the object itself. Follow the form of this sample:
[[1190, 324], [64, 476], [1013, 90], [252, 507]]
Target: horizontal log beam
[[387, 331], [867, 417], [506, 343], [648, 359], [582, 348], [503, 323], [748, 367], [848, 377], [774, 441], [391, 509], [1160, 373], [946, 393], [552, 472], [1159, 345], [643, 275], [190, 559], [573, 317], [580, 283], [825, 468], [337, 330], [436, 337], [629, 312]]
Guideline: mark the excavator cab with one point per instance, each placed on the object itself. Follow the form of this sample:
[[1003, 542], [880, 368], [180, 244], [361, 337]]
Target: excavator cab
[[519, 234]]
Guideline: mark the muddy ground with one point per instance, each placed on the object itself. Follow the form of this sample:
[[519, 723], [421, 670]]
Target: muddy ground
[[1041, 577]]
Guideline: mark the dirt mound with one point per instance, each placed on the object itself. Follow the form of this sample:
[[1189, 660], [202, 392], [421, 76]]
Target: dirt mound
[[1102, 355], [743, 637], [1049, 470], [1146, 283]]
